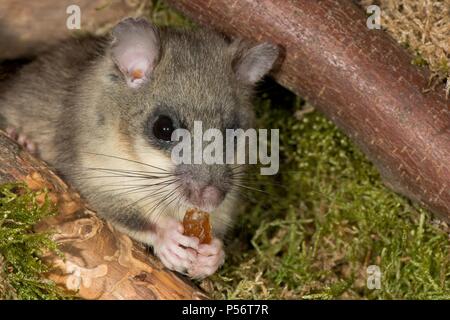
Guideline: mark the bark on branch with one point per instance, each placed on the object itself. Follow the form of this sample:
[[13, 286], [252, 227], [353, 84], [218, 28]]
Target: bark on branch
[[100, 263], [359, 78]]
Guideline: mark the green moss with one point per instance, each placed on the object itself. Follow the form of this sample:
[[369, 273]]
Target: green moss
[[419, 60], [162, 15], [20, 248], [332, 217]]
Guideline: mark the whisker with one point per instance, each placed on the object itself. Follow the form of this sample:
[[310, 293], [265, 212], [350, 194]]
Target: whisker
[[119, 172], [136, 188], [124, 159], [250, 188], [238, 195], [135, 179], [237, 167], [172, 192], [172, 198], [261, 183], [149, 196], [163, 192], [140, 184], [129, 171]]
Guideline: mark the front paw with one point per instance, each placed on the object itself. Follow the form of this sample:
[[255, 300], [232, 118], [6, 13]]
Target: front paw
[[176, 251], [209, 258], [22, 140]]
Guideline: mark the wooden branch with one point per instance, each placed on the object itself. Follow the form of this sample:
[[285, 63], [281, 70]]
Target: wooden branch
[[359, 78], [28, 27], [100, 263]]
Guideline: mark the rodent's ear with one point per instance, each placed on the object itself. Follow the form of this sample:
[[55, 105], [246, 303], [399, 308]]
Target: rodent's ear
[[253, 63], [135, 49]]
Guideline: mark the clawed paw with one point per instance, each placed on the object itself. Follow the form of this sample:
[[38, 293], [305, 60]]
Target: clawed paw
[[21, 139], [176, 251], [209, 258], [185, 255]]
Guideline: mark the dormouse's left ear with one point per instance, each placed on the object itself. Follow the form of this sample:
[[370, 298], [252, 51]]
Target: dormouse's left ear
[[135, 49], [252, 64]]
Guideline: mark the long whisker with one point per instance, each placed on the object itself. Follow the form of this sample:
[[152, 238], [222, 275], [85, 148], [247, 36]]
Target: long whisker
[[165, 198], [129, 171], [261, 183], [238, 195], [150, 196], [119, 172], [250, 188], [130, 189], [238, 167], [114, 171], [171, 194], [124, 159]]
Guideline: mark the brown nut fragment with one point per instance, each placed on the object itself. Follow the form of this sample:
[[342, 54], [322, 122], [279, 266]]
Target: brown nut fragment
[[196, 224]]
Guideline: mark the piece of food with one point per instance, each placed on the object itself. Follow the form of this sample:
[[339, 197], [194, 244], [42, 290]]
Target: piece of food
[[196, 224]]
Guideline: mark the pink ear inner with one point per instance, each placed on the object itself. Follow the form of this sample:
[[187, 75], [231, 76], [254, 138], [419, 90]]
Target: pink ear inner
[[135, 66], [135, 50]]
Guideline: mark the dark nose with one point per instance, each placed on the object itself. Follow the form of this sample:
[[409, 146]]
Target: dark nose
[[208, 197]]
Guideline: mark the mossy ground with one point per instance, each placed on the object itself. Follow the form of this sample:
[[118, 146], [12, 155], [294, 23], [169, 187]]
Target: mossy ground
[[320, 222], [324, 219], [21, 268]]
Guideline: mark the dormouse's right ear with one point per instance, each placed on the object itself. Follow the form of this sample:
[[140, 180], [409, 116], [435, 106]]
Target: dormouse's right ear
[[252, 63], [135, 49]]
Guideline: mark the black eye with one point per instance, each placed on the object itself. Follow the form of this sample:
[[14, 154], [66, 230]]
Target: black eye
[[163, 128]]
